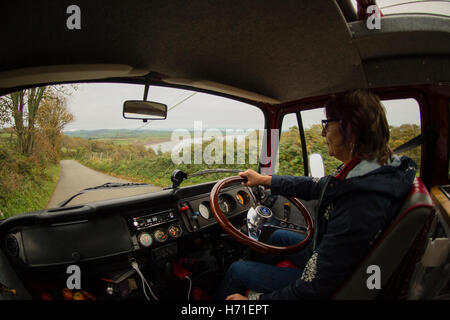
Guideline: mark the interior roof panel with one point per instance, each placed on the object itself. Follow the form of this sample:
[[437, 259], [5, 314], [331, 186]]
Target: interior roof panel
[[284, 50], [403, 36]]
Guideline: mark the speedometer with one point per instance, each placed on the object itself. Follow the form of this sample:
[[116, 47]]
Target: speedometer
[[203, 208]]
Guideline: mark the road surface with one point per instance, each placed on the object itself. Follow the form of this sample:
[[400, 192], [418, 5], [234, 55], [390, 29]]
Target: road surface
[[75, 177]]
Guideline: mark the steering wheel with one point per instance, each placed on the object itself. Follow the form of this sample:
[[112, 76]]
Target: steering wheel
[[246, 240]]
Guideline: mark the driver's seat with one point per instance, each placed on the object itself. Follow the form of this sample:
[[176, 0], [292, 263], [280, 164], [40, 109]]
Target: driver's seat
[[396, 253]]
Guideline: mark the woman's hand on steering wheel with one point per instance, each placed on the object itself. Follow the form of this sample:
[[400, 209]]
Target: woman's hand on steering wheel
[[253, 178]]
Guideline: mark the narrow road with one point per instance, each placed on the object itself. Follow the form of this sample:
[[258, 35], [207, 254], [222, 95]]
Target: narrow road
[[75, 177]]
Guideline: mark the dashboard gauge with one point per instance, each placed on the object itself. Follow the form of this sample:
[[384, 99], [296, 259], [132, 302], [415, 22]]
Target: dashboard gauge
[[161, 235], [203, 208], [224, 206], [145, 239], [175, 231], [242, 197], [227, 204]]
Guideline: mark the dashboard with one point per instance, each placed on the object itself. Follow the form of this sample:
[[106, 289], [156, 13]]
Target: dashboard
[[118, 227], [160, 230], [149, 229]]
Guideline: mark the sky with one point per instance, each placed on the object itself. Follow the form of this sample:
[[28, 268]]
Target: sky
[[99, 106]]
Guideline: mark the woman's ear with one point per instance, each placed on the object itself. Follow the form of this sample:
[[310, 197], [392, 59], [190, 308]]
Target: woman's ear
[[346, 130]]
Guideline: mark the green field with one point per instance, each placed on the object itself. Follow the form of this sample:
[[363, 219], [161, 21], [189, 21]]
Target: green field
[[119, 134], [123, 136]]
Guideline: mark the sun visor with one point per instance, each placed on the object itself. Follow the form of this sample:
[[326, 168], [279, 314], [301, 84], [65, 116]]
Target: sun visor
[[66, 73]]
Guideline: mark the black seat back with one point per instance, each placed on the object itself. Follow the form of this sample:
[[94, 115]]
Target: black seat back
[[396, 253]]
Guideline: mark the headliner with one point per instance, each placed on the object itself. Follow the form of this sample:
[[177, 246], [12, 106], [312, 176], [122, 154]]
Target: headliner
[[283, 50]]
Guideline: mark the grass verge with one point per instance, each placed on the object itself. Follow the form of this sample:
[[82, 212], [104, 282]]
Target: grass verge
[[34, 192]]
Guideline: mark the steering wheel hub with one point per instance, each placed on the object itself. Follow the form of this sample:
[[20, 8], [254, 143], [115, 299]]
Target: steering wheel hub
[[264, 211], [256, 219]]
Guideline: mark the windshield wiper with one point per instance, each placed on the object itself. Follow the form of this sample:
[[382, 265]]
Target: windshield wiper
[[108, 185], [179, 176]]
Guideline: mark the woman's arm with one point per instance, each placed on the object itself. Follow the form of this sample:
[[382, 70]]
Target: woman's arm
[[306, 188]]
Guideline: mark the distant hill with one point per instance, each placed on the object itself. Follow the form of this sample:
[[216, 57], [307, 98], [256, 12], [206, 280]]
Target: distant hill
[[126, 133], [117, 133]]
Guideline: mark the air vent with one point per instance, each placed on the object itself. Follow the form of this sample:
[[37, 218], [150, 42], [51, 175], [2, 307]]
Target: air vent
[[12, 245]]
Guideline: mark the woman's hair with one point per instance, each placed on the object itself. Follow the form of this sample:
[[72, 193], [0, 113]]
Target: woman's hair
[[363, 123]]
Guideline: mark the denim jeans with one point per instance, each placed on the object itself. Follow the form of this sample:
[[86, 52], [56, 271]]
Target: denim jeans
[[264, 277]]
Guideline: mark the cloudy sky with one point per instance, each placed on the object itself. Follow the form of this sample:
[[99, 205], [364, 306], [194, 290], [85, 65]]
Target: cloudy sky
[[99, 106]]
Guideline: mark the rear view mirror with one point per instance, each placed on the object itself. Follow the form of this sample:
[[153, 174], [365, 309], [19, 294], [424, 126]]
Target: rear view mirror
[[144, 110]]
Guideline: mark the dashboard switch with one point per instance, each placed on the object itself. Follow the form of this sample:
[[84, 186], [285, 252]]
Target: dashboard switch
[[190, 215]]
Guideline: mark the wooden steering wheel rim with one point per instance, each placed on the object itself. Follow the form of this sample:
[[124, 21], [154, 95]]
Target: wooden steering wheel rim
[[246, 240]]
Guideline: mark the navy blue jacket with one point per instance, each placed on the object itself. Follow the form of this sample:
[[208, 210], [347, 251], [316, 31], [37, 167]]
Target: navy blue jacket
[[352, 214]]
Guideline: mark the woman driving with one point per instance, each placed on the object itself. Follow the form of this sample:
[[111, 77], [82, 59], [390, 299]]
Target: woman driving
[[356, 205]]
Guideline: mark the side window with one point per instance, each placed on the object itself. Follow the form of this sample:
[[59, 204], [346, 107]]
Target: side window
[[403, 116], [290, 158], [315, 143]]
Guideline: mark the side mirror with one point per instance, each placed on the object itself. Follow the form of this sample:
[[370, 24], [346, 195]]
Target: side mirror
[[316, 166], [144, 110]]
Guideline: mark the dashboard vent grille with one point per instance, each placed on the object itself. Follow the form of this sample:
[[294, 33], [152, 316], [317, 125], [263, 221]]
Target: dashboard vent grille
[[12, 245]]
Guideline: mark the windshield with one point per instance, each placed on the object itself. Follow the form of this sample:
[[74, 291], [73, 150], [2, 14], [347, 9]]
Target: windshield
[[58, 140]]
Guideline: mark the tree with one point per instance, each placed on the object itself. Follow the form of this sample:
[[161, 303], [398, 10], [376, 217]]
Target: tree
[[53, 116], [23, 106], [21, 109], [5, 114]]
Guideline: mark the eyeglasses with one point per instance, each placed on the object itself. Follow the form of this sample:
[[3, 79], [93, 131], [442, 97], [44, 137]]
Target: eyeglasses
[[325, 123]]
